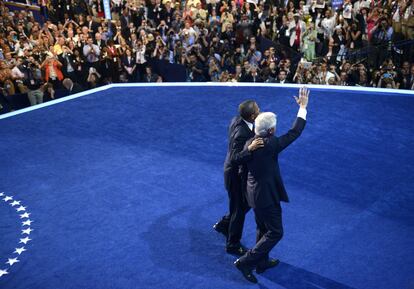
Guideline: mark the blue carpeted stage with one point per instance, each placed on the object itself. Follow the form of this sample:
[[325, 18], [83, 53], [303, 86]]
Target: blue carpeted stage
[[120, 189]]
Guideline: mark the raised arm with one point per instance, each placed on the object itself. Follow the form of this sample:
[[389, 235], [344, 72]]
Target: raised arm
[[300, 121]]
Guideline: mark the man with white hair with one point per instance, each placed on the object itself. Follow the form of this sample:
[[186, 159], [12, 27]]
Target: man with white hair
[[265, 189], [71, 87]]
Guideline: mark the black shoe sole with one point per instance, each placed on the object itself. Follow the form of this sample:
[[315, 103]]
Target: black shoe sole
[[262, 270], [220, 230], [236, 251], [248, 275]]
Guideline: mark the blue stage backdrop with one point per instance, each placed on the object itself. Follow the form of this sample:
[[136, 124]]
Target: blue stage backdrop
[[120, 189]]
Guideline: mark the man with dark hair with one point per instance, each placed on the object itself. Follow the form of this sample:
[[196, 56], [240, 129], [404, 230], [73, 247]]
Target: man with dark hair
[[239, 74], [150, 76], [240, 130], [282, 77], [265, 189], [69, 65], [37, 96], [195, 69], [381, 37], [91, 24]]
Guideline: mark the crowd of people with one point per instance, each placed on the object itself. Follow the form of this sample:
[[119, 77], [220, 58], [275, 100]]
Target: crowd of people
[[74, 47]]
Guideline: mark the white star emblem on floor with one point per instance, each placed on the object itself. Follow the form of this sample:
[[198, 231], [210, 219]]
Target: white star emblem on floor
[[15, 203], [3, 272], [7, 198], [25, 240], [27, 223], [25, 215], [12, 261], [19, 251], [26, 230], [21, 208]]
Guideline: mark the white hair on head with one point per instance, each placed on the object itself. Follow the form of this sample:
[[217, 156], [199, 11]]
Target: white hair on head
[[264, 122]]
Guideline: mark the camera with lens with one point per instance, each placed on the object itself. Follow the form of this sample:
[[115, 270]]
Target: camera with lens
[[387, 75], [141, 11]]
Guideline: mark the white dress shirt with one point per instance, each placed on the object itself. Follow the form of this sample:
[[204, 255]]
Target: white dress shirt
[[249, 124], [302, 113]]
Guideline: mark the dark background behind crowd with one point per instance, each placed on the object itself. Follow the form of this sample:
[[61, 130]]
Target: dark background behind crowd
[[70, 46]]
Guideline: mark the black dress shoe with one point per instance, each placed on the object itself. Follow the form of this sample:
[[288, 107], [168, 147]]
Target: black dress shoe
[[269, 264], [247, 273], [221, 229], [238, 250]]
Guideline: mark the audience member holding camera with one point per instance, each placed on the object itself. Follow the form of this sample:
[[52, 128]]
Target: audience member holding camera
[[303, 42]]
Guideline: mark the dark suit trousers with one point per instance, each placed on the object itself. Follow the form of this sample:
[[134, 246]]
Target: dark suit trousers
[[237, 211], [269, 233]]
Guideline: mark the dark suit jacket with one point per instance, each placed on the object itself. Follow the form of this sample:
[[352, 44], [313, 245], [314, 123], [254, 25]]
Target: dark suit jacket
[[101, 45], [93, 26], [76, 88], [152, 78], [68, 59], [264, 182], [127, 63], [278, 81], [125, 20], [250, 78], [238, 133]]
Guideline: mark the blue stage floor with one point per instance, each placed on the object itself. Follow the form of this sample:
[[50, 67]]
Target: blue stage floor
[[123, 187]]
